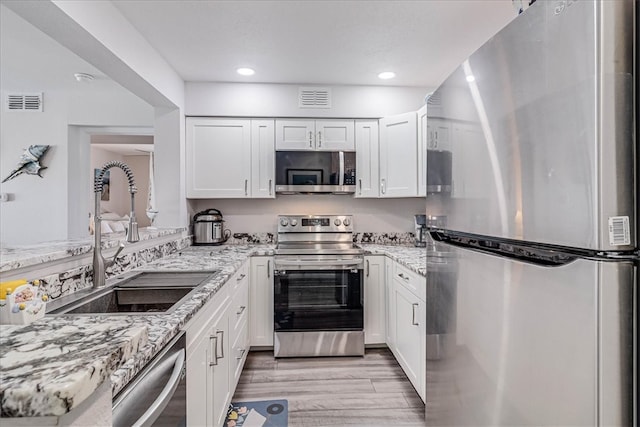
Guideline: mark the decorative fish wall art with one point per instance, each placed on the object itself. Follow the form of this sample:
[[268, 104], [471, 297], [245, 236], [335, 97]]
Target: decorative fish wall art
[[29, 162]]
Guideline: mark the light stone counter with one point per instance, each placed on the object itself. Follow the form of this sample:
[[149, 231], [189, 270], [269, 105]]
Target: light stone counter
[[21, 256], [411, 257], [49, 367]]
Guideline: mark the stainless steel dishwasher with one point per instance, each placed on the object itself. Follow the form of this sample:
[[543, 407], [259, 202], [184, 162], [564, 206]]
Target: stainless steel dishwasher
[[158, 395]]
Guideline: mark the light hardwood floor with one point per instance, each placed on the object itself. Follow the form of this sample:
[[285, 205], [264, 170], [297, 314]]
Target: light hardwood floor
[[367, 391]]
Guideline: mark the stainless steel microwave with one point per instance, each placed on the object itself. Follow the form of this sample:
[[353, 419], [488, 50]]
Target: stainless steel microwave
[[315, 172]]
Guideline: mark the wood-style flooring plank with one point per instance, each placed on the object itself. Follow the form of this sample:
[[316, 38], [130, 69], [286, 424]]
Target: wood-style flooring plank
[[367, 391]]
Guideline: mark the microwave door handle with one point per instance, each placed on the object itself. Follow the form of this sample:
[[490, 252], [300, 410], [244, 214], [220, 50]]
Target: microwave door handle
[[341, 171]]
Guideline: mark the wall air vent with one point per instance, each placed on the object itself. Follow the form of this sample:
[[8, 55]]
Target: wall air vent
[[23, 102], [434, 99], [314, 97]]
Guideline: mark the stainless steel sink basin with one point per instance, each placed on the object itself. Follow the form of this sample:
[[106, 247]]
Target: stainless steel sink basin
[[135, 293]]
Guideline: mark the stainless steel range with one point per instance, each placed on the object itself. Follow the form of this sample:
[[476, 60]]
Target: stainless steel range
[[318, 295]]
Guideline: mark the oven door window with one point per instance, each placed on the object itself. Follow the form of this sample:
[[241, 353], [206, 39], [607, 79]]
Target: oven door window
[[318, 300]]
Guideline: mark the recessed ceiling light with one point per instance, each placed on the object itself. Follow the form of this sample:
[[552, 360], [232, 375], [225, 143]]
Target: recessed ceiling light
[[386, 75], [245, 71], [470, 78]]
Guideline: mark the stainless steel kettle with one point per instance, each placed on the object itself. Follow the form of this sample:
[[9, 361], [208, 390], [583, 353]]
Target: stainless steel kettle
[[208, 228]]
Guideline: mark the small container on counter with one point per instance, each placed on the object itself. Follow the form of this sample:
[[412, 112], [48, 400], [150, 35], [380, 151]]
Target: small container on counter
[[21, 302]]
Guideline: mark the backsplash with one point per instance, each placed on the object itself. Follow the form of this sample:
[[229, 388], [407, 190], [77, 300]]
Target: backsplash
[[378, 238], [384, 238], [65, 283]]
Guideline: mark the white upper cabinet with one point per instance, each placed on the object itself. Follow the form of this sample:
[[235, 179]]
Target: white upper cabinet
[[325, 135], [367, 160], [335, 135], [218, 158], [423, 137], [295, 134], [263, 159], [399, 155], [230, 158]]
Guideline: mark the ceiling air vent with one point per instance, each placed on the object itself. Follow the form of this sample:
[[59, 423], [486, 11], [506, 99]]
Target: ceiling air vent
[[23, 102], [314, 97]]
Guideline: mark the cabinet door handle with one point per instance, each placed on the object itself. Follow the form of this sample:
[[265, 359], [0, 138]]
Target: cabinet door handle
[[367, 268], [360, 185], [310, 139], [382, 185], [413, 315], [270, 181], [214, 349], [246, 187], [242, 308], [268, 268], [242, 352], [319, 139], [221, 346]]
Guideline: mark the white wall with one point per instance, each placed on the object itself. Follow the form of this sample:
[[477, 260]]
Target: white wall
[[37, 210], [140, 167], [370, 215], [281, 100]]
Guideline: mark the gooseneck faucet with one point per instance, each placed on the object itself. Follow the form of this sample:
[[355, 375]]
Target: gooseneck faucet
[[99, 263]]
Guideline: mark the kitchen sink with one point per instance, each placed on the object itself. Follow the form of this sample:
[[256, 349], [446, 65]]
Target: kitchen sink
[[148, 292]]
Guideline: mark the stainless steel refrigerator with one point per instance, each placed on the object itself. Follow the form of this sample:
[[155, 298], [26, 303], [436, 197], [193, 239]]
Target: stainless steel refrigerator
[[534, 320]]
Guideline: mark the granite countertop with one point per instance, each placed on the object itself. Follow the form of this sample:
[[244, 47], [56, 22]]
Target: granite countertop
[[20, 256], [411, 257], [51, 366]]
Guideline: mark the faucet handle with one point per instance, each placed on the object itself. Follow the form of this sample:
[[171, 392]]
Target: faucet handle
[[115, 256]]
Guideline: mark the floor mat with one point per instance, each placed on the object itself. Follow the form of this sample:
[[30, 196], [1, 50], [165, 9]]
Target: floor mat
[[262, 413]]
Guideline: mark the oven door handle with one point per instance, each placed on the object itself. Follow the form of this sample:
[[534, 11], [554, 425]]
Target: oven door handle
[[341, 264], [156, 408]]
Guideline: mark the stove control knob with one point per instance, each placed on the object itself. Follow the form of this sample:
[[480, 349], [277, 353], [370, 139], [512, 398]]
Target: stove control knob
[[346, 222], [284, 222], [337, 222], [294, 222]]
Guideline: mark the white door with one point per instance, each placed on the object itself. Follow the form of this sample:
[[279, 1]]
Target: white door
[[423, 142], [261, 301], [262, 159], [295, 135], [410, 335], [390, 305], [219, 364], [399, 156], [335, 135], [198, 384], [218, 163], [374, 300], [367, 158]]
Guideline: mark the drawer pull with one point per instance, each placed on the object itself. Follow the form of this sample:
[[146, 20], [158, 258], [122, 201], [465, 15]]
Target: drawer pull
[[214, 349], [242, 276], [242, 352], [242, 308], [402, 276]]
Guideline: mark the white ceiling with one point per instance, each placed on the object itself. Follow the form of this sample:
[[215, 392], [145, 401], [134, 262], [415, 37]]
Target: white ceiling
[[317, 42]]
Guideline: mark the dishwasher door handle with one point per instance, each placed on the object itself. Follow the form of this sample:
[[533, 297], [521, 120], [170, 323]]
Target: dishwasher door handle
[[156, 408]]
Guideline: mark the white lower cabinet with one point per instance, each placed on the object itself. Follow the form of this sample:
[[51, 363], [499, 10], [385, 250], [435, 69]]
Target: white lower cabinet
[[390, 306], [374, 300], [217, 347], [261, 301], [407, 316]]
